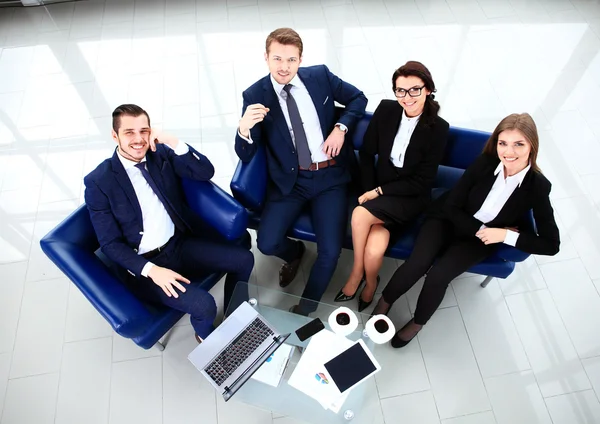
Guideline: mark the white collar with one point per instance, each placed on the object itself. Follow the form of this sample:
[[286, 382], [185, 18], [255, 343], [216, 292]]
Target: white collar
[[296, 81], [411, 119], [128, 163], [520, 176]]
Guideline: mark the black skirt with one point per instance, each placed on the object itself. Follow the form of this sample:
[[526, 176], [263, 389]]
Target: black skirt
[[396, 212]]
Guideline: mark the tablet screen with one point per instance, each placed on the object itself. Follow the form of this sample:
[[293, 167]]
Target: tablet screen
[[350, 367]]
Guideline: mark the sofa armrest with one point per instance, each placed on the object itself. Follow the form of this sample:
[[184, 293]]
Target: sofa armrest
[[216, 207], [111, 298], [249, 182], [511, 254]]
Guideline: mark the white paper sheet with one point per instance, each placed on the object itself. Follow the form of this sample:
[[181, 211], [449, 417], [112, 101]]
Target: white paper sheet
[[310, 375]]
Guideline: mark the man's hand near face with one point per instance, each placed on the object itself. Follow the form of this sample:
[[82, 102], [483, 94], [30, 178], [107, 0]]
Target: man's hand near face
[[159, 137]]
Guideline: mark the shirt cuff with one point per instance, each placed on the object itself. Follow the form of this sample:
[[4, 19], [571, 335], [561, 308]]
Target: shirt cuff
[[146, 269], [248, 139], [342, 127], [181, 148], [511, 238]]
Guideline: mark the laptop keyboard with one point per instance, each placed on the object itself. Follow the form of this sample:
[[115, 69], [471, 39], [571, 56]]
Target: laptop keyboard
[[238, 351]]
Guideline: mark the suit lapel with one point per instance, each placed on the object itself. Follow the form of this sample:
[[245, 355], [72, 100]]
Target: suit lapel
[[125, 183], [154, 168], [275, 112], [418, 136], [312, 86], [391, 128], [513, 208], [485, 186]]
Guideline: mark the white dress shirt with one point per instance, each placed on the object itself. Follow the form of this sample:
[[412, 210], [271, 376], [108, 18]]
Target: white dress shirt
[[405, 132], [156, 222], [502, 189], [308, 113]]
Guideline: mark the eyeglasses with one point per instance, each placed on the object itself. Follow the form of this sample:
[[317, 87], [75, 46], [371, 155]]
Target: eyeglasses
[[412, 92]]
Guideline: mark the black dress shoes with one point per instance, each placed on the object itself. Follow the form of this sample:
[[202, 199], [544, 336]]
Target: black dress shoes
[[288, 271], [397, 342]]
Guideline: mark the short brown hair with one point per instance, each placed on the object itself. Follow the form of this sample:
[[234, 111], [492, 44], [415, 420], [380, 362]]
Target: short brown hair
[[285, 36], [127, 110], [524, 123]]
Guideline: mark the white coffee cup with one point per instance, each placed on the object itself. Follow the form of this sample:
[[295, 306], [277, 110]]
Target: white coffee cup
[[343, 321], [380, 329]]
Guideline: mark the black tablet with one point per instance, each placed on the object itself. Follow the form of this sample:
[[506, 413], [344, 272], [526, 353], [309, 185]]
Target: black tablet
[[352, 366]]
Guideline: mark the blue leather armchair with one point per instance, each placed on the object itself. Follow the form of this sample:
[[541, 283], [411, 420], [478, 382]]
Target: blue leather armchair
[[74, 248], [250, 180]]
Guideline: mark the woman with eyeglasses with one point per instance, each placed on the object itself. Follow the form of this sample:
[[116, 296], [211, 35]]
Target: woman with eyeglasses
[[487, 206], [409, 139]]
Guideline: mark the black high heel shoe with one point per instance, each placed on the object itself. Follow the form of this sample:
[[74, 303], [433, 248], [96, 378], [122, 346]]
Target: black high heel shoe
[[341, 297], [362, 305]]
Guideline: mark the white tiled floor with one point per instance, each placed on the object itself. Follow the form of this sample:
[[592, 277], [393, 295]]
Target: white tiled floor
[[525, 350]]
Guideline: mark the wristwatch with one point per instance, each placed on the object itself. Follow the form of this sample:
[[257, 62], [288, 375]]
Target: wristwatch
[[342, 127]]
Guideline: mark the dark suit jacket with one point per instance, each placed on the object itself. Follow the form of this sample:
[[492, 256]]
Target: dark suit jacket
[[466, 198], [114, 208], [324, 88], [423, 154]]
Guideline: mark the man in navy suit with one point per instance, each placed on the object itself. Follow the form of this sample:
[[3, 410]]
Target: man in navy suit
[[143, 223], [291, 113]]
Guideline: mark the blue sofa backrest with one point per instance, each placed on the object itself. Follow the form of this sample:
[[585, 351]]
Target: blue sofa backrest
[[462, 148], [249, 181]]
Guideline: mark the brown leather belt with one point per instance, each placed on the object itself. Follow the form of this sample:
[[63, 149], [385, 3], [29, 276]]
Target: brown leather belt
[[319, 165], [153, 253]]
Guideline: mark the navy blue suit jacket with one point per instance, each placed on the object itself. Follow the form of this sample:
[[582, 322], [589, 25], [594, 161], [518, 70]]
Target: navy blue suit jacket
[[114, 207], [324, 88]]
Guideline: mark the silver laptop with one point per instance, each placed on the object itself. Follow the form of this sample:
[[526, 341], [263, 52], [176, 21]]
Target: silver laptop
[[236, 349]]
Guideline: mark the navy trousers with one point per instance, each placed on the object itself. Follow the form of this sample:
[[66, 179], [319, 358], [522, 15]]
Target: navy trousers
[[325, 192], [192, 258]]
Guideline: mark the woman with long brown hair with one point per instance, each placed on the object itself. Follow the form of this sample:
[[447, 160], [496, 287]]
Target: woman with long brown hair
[[409, 138], [485, 208]]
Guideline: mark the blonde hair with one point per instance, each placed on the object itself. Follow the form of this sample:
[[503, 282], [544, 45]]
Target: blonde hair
[[522, 122], [285, 36]]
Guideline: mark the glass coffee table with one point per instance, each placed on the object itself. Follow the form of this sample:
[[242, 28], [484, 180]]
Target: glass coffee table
[[362, 406]]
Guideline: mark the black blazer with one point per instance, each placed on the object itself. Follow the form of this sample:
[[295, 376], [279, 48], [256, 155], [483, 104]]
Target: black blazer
[[423, 154], [466, 198]]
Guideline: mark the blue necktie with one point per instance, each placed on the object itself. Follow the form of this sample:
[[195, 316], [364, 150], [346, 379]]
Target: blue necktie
[[179, 223], [304, 157]]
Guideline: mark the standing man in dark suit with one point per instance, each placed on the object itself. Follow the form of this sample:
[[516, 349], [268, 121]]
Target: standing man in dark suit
[[291, 113], [143, 223]]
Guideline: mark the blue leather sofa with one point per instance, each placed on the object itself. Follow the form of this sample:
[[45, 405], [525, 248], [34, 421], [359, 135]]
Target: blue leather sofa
[[74, 248], [250, 180]]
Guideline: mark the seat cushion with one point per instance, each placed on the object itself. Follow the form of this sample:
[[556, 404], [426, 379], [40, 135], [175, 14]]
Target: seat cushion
[[494, 266], [163, 318]]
